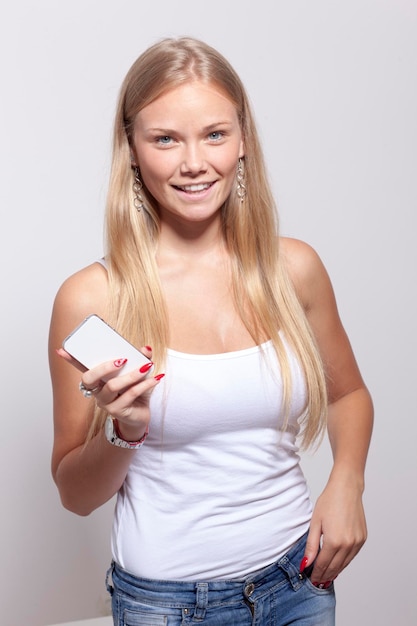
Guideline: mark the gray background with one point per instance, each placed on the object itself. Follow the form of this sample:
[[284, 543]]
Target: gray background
[[333, 86]]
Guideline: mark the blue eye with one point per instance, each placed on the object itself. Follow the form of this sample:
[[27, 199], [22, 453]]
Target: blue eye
[[163, 140], [216, 135]]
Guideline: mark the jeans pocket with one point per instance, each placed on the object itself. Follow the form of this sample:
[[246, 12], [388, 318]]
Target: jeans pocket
[[320, 590]]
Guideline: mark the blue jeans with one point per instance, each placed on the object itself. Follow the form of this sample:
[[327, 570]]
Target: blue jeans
[[277, 595]]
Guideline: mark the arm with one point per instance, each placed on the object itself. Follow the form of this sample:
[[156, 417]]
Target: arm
[[89, 475], [338, 519]]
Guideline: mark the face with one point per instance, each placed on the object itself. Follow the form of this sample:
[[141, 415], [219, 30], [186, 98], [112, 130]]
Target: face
[[187, 144]]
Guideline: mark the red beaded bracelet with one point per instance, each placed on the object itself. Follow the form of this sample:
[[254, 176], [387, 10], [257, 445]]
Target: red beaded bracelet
[[131, 443], [113, 435]]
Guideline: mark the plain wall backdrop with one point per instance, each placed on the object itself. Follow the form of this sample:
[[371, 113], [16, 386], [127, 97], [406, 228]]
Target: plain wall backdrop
[[334, 90]]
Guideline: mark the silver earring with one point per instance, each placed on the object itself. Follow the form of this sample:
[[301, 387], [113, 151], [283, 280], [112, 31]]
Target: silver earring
[[240, 177], [137, 188]]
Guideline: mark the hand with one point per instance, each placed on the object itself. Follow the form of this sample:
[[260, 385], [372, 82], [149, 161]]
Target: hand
[[124, 397], [338, 521]]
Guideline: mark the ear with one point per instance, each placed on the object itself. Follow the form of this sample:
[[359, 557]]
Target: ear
[[241, 149], [133, 160]]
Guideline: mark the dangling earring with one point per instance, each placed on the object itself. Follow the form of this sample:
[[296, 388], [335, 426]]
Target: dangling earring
[[137, 188], [240, 177]]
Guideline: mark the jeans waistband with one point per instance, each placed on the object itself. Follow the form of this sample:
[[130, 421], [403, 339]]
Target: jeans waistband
[[212, 592]]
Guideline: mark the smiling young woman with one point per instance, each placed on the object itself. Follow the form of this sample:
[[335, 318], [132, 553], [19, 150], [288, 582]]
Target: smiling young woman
[[213, 519], [186, 144]]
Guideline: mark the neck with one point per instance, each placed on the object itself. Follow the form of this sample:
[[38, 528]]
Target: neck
[[190, 238]]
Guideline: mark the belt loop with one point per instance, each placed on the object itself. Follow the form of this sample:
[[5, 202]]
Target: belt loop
[[201, 601], [291, 571]]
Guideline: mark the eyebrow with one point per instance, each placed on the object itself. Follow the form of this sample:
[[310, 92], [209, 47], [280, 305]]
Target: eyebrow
[[206, 129]]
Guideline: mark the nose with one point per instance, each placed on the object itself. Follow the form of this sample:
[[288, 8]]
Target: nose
[[193, 160]]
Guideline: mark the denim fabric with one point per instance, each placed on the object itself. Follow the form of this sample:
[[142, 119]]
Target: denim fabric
[[277, 595]]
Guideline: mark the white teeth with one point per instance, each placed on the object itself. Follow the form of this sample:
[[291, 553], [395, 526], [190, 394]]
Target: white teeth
[[200, 187]]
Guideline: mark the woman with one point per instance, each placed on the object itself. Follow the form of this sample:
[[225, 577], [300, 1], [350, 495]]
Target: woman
[[213, 520]]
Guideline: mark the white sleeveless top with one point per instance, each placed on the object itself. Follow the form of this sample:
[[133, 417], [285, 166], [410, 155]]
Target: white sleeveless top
[[216, 491]]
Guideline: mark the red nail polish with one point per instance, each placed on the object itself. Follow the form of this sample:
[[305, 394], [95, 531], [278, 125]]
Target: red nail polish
[[145, 368], [325, 585], [303, 564], [119, 362], [148, 348], [159, 376]]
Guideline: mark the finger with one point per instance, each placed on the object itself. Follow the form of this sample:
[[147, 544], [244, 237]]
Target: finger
[[326, 567], [67, 357], [312, 547], [89, 392], [147, 351], [332, 561], [101, 373], [130, 402], [128, 387], [112, 371]]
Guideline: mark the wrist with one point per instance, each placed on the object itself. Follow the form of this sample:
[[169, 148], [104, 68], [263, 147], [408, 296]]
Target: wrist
[[130, 434], [116, 438], [348, 477]]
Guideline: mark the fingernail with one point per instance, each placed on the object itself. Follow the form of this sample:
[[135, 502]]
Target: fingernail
[[325, 585], [145, 368], [159, 376], [148, 348], [303, 564], [119, 362]]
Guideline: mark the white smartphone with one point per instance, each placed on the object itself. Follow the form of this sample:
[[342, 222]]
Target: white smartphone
[[94, 342]]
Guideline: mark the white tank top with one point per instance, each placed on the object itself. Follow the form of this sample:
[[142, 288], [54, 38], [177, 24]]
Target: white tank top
[[216, 491]]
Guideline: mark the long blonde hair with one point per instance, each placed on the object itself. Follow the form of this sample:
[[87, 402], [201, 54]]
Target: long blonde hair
[[264, 295]]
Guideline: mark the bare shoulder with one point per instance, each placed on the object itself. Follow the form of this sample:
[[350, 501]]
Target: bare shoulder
[[81, 294], [305, 268], [299, 255], [86, 288]]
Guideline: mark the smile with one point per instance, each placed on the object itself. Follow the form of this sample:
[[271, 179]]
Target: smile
[[194, 188]]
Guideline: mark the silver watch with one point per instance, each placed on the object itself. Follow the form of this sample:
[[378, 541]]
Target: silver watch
[[113, 437]]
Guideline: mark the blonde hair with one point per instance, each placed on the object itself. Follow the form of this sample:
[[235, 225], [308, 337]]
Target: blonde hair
[[264, 295]]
